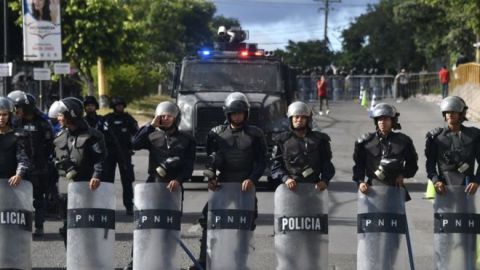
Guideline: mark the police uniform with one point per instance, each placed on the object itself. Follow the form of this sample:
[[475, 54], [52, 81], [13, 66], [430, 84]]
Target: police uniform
[[119, 128], [163, 147], [242, 151], [305, 160], [13, 160], [81, 150], [237, 153], [382, 158], [451, 155], [37, 136], [371, 148]]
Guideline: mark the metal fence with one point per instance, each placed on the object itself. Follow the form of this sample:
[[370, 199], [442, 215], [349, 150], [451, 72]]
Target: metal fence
[[352, 87], [465, 73]]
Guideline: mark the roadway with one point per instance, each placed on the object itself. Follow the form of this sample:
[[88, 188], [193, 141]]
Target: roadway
[[346, 122]]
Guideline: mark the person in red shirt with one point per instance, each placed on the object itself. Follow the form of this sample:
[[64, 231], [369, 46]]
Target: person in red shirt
[[444, 77], [322, 94]]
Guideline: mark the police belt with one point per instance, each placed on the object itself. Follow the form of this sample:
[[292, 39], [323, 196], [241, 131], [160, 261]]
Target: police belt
[[239, 176], [377, 182]]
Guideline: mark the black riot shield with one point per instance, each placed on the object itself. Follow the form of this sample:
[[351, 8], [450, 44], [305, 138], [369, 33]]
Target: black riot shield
[[301, 228], [15, 225], [381, 225], [91, 226], [456, 226], [157, 227], [230, 222]]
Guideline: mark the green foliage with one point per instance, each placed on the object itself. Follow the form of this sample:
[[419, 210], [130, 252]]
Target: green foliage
[[306, 55], [131, 81], [375, 39], [171, 29]]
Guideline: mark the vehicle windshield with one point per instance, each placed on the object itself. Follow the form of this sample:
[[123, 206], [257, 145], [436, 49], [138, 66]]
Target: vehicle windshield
[[231, 76]]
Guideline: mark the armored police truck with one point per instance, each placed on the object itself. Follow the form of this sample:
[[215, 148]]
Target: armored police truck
[[202, 82]]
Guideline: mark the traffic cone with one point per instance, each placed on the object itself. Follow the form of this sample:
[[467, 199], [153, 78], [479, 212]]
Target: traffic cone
[[374, 97], [430, 192], [364, 102]]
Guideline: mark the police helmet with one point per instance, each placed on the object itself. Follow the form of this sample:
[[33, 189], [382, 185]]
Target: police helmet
[[236, 102], [453, 104], [169, 108], [114, 101], [90, 100], [20, 98], [300, 108], [70, 107], [54, 109], [384, 109]]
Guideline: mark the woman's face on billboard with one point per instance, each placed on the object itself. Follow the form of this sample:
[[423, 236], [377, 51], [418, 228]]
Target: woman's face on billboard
[[38, 4]]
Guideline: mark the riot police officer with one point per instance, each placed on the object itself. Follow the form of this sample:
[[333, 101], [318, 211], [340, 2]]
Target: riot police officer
[[119, 129], [37, 134], [384, 157], [237, 150], [453, 149], [91, 106], [171, 152], [14, 162], [79, 149], [302, 154]]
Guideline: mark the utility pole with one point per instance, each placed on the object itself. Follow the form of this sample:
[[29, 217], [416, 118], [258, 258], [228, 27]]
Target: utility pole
[[5, 45], [326, 8]]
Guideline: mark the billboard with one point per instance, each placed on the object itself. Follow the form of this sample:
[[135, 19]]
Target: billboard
[[41, 30]]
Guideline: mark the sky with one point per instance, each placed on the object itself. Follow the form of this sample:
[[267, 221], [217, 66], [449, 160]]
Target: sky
[[271, 23]]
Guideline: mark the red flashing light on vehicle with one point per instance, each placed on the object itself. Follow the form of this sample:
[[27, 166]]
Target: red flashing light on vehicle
[[244, 53]]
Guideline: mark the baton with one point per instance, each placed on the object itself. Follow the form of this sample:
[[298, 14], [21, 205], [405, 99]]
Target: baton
[[409, 244], [189, 254]]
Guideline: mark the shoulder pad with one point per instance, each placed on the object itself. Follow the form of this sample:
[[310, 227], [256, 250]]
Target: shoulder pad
[[434, 132], [404, 137], [366, 137], [283, 136], [186, 135], [254, 131], [20, 133], [95, 133], [321, 135], [218, 129]]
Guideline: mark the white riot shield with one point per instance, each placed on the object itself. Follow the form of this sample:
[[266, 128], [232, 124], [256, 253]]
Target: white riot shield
[[456, 225], [230, 220], [381, 228], [16, 225], [301, 228], [158, 214], [90, 226]]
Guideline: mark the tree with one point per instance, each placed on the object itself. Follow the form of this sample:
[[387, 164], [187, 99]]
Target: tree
[[172, 28], [306, 54], [93, 29], [375, 39], [464, 17]]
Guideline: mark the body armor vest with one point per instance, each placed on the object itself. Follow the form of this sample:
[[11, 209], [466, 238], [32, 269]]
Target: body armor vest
[[34, 136], [300, 154], [166, 146], [236, 149], [391, 148], [455, 152], [71, 148]]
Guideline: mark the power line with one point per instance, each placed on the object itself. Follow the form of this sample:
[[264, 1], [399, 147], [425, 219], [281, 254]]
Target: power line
[[281, 3], [326, 8]]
